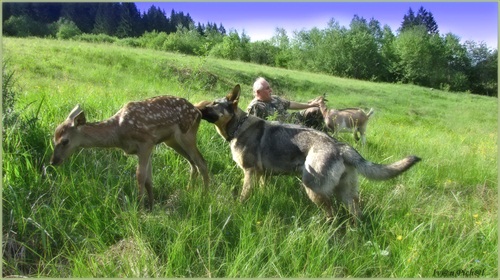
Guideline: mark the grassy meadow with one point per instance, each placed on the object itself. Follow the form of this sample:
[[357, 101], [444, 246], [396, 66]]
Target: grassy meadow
[[82, 219]]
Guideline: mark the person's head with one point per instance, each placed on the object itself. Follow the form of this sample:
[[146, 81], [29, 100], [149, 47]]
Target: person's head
[[261, 89]]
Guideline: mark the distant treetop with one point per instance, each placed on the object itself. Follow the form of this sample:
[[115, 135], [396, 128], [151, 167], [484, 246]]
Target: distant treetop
[[423, 18]]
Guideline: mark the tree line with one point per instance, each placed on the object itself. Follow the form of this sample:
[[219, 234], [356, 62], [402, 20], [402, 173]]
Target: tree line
[[416, 54], [114, 19]]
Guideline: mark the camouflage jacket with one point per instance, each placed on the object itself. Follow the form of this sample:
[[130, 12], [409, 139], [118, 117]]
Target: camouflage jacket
[[276, 108]]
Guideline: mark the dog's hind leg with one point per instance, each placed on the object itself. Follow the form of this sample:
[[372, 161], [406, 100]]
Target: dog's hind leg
[[319, 177], [347, 193], [324, 202]]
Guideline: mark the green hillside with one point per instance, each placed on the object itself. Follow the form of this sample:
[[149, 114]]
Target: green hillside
[[82, 219]]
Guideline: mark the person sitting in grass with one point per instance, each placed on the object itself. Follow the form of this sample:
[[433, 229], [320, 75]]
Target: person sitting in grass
[[264, 105]]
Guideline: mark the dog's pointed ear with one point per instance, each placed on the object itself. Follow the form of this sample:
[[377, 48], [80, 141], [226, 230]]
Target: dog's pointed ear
[[234, 95]]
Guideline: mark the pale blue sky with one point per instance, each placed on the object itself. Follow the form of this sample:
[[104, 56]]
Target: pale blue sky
[[476, 21]]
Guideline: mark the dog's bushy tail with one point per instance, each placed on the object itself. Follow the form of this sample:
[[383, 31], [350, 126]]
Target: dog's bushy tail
[[377, 171]]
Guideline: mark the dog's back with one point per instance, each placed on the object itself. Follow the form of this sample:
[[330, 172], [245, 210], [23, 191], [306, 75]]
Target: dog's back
[[275, 147], [300, 142]]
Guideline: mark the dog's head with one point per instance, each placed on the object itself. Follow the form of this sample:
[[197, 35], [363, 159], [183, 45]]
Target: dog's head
[[221, 111]]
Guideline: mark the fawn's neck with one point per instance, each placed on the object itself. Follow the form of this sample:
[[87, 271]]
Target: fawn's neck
[[323, 109], [101, 134]]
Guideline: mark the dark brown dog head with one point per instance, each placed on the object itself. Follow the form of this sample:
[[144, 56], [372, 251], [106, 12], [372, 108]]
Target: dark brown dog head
[[221, 111], [214, 111]]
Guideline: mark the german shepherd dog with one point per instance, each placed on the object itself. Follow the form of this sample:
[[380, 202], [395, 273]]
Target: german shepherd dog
[[328, 168]]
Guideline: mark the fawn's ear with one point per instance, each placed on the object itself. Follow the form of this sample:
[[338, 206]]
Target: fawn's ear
[[202, 104], [80, 119], [77, 116], [234, 95], [74, 112], [202, 107]]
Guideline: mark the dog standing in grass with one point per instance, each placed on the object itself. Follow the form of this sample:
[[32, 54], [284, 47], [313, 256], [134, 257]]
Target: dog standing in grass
[[327, 168]]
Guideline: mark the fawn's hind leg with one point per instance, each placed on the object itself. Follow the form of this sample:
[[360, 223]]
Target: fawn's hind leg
[[144, 176], [187, 148]]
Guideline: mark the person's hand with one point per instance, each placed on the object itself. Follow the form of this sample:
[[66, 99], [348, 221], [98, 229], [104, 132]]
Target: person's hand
[[315, 102]]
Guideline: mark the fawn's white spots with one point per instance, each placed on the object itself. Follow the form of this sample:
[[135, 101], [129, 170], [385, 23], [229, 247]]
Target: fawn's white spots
[[158, 111]]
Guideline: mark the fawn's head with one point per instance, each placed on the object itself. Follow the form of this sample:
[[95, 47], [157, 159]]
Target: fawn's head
[[319, 99], [66, 137]]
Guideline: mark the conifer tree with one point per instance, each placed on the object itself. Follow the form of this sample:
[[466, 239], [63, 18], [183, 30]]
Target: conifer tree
[[423, 17]]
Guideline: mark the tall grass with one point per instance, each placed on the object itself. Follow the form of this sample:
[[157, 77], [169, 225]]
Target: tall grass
[[82, 219]]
